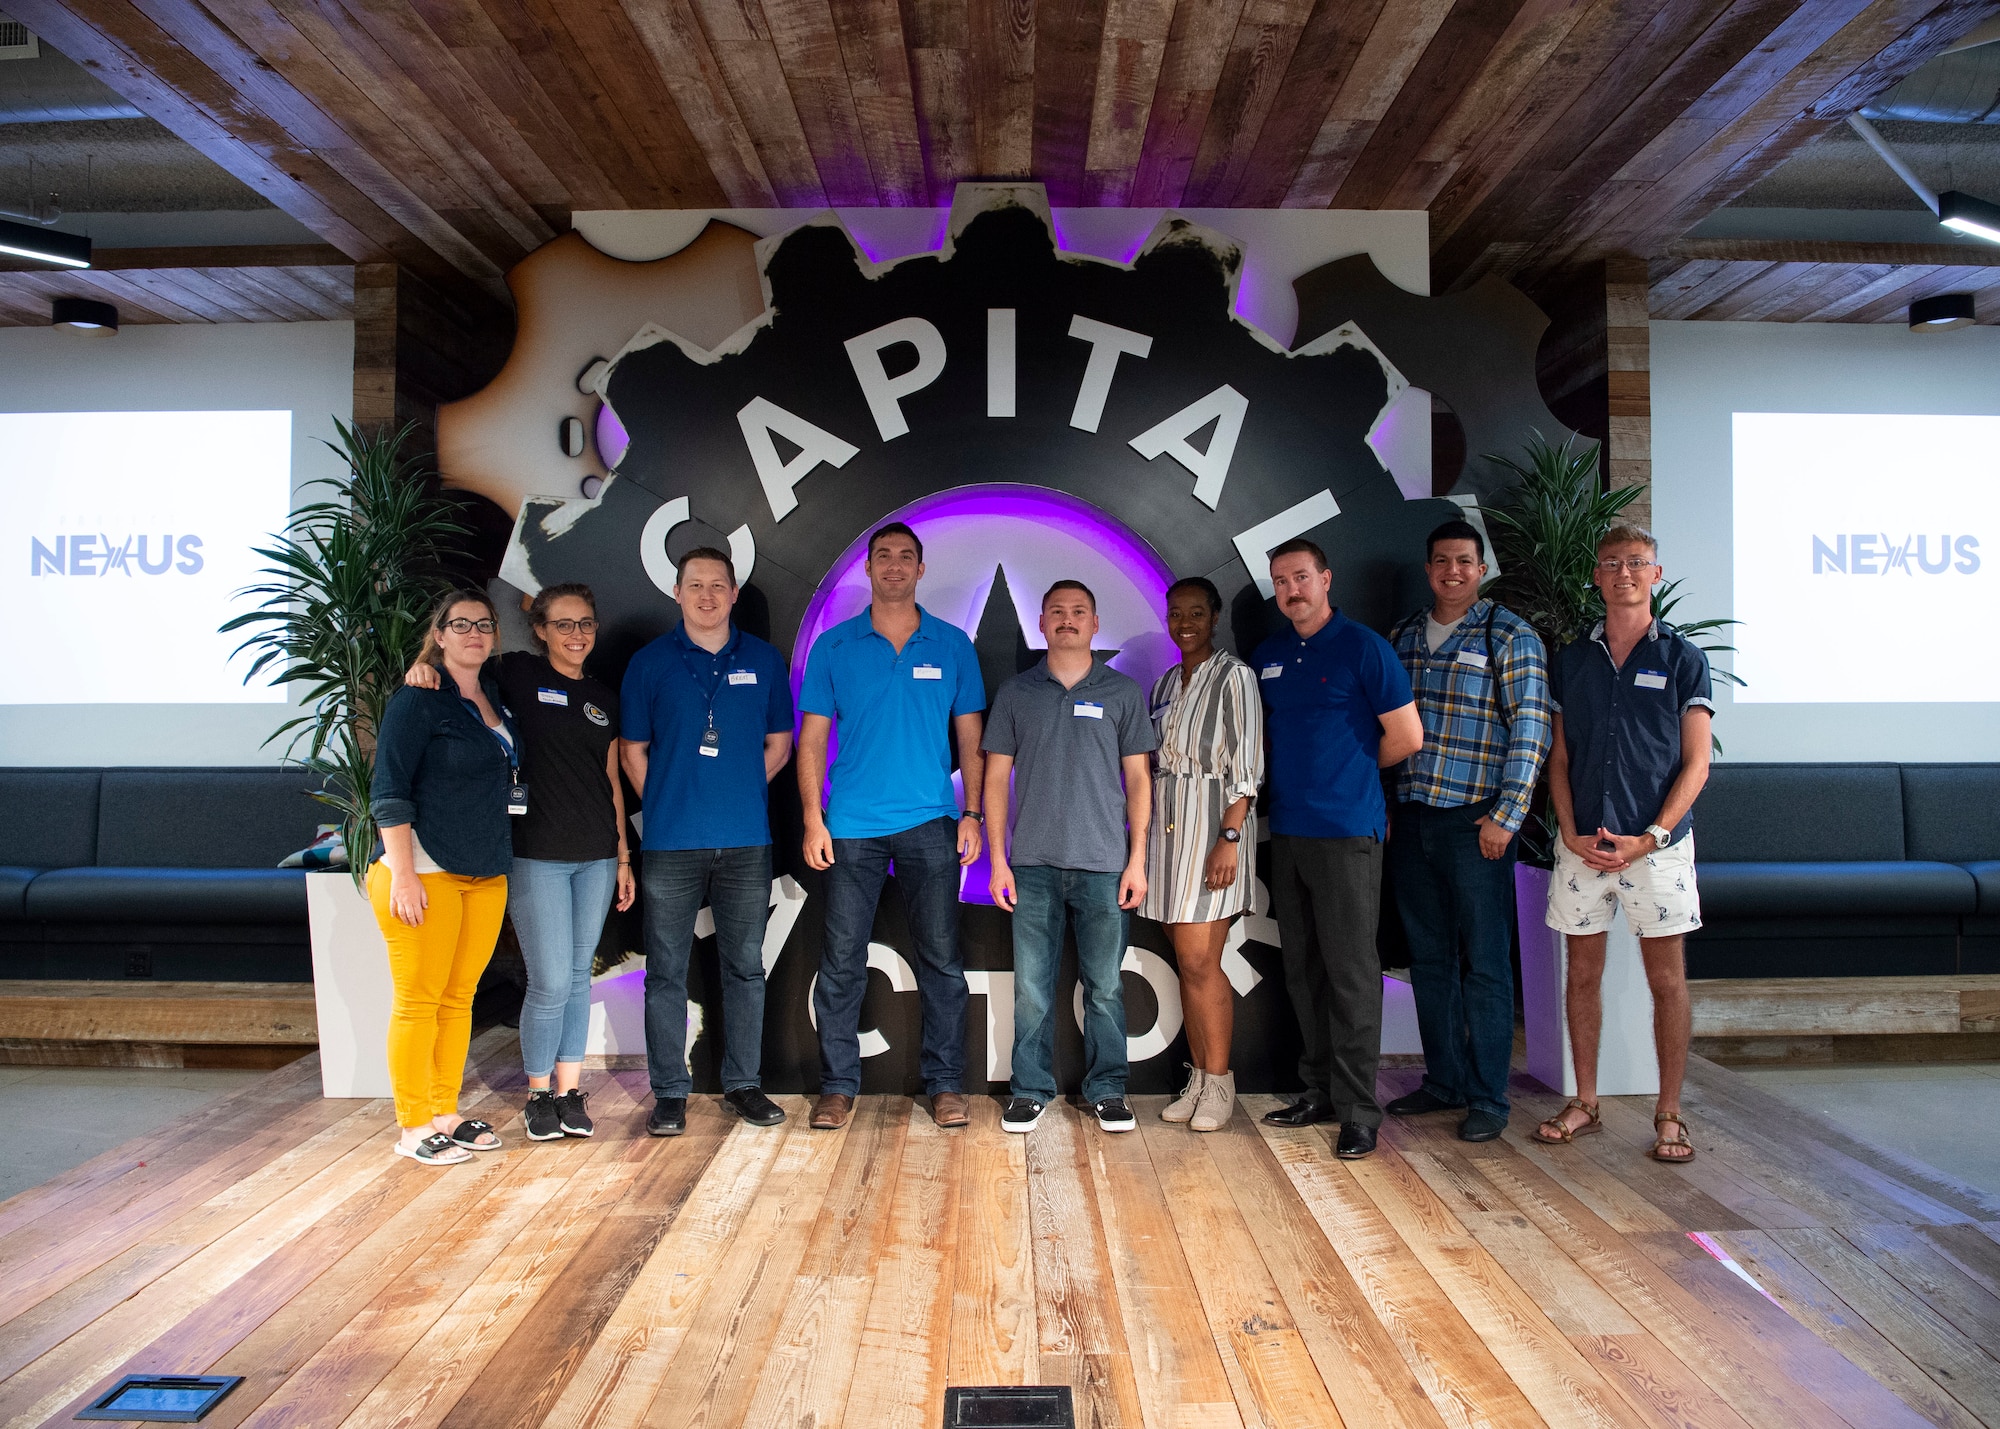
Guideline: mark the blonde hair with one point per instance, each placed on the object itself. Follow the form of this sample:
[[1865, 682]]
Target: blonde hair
[[431, 650], [1628, 533]]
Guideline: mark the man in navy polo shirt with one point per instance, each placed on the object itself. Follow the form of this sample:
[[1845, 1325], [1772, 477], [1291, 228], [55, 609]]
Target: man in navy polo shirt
[[706, 724], [1339, 710], [896, 686], [1632, 741]]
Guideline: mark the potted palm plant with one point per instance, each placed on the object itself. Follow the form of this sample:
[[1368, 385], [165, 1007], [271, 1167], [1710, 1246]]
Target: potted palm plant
[[1545, 537], [351, 582]]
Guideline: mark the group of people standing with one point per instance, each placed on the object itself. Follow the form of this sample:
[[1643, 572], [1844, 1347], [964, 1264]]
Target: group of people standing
[[498, 785]]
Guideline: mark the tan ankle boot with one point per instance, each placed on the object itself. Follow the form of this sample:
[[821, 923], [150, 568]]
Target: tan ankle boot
[[1218, 1101], [1182, 1107]]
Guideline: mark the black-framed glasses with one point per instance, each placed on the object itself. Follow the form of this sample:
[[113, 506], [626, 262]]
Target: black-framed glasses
[[571, 627], [1635, 564], [462, 626]]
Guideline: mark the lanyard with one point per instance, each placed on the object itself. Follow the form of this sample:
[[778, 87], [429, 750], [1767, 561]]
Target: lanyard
[[698, 675], [511, 752]]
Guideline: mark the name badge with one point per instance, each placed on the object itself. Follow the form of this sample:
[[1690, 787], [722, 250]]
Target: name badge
[[1089, 709], [517, 799], [927, 672], [1270, 672], [711, 744], [1650, 680], [1473, 658], [552, 697], [742, 677]]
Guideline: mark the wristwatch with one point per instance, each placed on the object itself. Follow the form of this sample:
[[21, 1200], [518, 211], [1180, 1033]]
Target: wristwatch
[[1661, 837], [1234, 836], [974, 815]]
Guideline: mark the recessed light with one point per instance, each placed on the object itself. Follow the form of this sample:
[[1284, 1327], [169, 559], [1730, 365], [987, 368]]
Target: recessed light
[[85, 313], [1942, 312]]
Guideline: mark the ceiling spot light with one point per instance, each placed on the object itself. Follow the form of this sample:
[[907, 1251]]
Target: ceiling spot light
[[44, 245], [1942, 312], [1966, 214], [84, 313]]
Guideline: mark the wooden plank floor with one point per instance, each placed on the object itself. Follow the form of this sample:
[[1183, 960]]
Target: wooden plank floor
[[1789, 1277]]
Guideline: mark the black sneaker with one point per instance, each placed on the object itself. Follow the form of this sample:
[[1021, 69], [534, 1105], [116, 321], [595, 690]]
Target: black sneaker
[[753, 1106], [669, 1118], [575, 1120], [1114, 1115], [1421, 1102], [1021, 1114], [543, 1118]]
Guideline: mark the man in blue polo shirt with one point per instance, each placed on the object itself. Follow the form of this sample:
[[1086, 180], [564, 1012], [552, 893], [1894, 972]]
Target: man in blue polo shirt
[[1339, 710], [706, 724], [896, 686], [1631, 751]]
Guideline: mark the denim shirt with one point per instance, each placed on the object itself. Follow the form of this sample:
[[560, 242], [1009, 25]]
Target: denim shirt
[[438, 766]]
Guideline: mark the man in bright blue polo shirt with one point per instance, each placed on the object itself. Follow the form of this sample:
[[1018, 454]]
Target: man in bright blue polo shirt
[[896, 685], [1338, 710], [706, 724]]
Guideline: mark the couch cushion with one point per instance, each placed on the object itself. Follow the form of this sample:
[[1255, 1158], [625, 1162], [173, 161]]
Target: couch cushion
[[14, 892], [1811, 813], [169, 895], [1758, 890], [204, 818], [48, 817], [1986, 874], [1951, 812]]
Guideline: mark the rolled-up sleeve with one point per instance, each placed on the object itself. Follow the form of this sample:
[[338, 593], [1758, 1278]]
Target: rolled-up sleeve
[[399, 749], [1524, 685], [1243, 736]]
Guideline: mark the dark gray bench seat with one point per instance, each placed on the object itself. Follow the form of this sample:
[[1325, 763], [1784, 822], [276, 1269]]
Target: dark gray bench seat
[[167, 873]]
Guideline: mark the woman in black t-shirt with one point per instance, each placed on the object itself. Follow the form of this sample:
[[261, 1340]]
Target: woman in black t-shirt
[[570, 855]]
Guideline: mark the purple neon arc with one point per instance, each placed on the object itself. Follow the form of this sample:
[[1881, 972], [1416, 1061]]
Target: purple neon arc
[[613, 441]]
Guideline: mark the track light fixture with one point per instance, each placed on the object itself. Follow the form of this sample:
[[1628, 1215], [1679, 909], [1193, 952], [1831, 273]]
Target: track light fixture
[[1966, 214], [43, 245]]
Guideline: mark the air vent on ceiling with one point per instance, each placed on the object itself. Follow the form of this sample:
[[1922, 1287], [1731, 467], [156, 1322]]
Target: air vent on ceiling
[[16, 43]]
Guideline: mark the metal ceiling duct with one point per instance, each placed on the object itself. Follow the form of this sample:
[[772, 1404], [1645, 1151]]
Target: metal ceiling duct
[[1958, 88]]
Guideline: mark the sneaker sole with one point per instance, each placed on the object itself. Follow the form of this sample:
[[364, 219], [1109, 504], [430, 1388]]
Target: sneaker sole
[[1022, 1128], [665, 1130], [1131, 1125], [547, 1136], [573, 1131]]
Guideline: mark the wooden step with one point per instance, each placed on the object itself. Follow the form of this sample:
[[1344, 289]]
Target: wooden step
[[1751, 1021], [156, 1024]]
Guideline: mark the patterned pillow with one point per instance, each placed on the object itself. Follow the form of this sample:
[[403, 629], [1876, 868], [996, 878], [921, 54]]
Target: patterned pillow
[[326, 851]]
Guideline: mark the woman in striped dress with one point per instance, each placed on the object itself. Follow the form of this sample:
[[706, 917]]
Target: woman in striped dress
[[1201, 848]]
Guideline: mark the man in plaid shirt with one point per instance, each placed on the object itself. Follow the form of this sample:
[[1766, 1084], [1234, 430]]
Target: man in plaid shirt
[[1482, 684]]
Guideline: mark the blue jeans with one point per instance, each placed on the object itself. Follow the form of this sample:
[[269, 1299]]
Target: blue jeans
[[736, 885], [1458, 911], [926, 859], [1044, 897], [558, 913]]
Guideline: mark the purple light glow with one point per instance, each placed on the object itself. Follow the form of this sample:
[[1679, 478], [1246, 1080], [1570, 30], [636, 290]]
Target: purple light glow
[[613, 441]]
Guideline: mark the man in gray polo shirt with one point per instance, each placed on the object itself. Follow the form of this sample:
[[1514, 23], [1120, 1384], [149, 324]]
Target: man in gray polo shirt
[[1073, 736]]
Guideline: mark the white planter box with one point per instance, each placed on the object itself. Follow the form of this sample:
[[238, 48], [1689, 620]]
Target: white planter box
[[1627, 1064], [350, 986]]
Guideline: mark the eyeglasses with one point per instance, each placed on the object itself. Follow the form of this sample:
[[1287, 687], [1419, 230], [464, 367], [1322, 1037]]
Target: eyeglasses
[[571, 627], [1634, 564], [462, 626]]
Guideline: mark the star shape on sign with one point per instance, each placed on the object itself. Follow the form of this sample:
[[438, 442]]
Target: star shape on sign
[[1001, 641]]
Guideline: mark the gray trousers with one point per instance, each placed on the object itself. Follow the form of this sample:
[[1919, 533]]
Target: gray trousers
[[1327, 896]]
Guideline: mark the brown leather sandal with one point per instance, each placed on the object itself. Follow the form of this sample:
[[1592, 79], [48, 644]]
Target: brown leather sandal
[[1566, 1134], [1679, 1119]]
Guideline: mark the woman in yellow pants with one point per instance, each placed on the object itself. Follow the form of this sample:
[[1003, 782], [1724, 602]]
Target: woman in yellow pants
[[445, 783]]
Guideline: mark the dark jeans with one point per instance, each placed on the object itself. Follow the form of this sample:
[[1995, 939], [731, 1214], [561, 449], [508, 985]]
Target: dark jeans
[[1327, 896], [736, 884], [926, 859], [1089, 901], [1457, 908]]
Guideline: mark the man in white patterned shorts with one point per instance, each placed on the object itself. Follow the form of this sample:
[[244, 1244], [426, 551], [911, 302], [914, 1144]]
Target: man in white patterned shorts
[[1630, 755]]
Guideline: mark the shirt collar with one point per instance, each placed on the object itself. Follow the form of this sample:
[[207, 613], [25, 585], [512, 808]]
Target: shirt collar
[[728, 648], [864, 624], [1652, 630], [1325, 632], [1097, 669]]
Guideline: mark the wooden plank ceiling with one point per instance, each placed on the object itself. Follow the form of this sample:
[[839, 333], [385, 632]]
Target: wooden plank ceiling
[[455, 136], [299, 283], [1736, 280]]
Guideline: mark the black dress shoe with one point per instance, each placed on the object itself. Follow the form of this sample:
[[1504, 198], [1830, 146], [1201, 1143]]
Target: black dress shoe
[[754, 1107], [669, 1118], [1308, 1110], [1421, 1102], [1355, 1141], [1481, 1126]]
